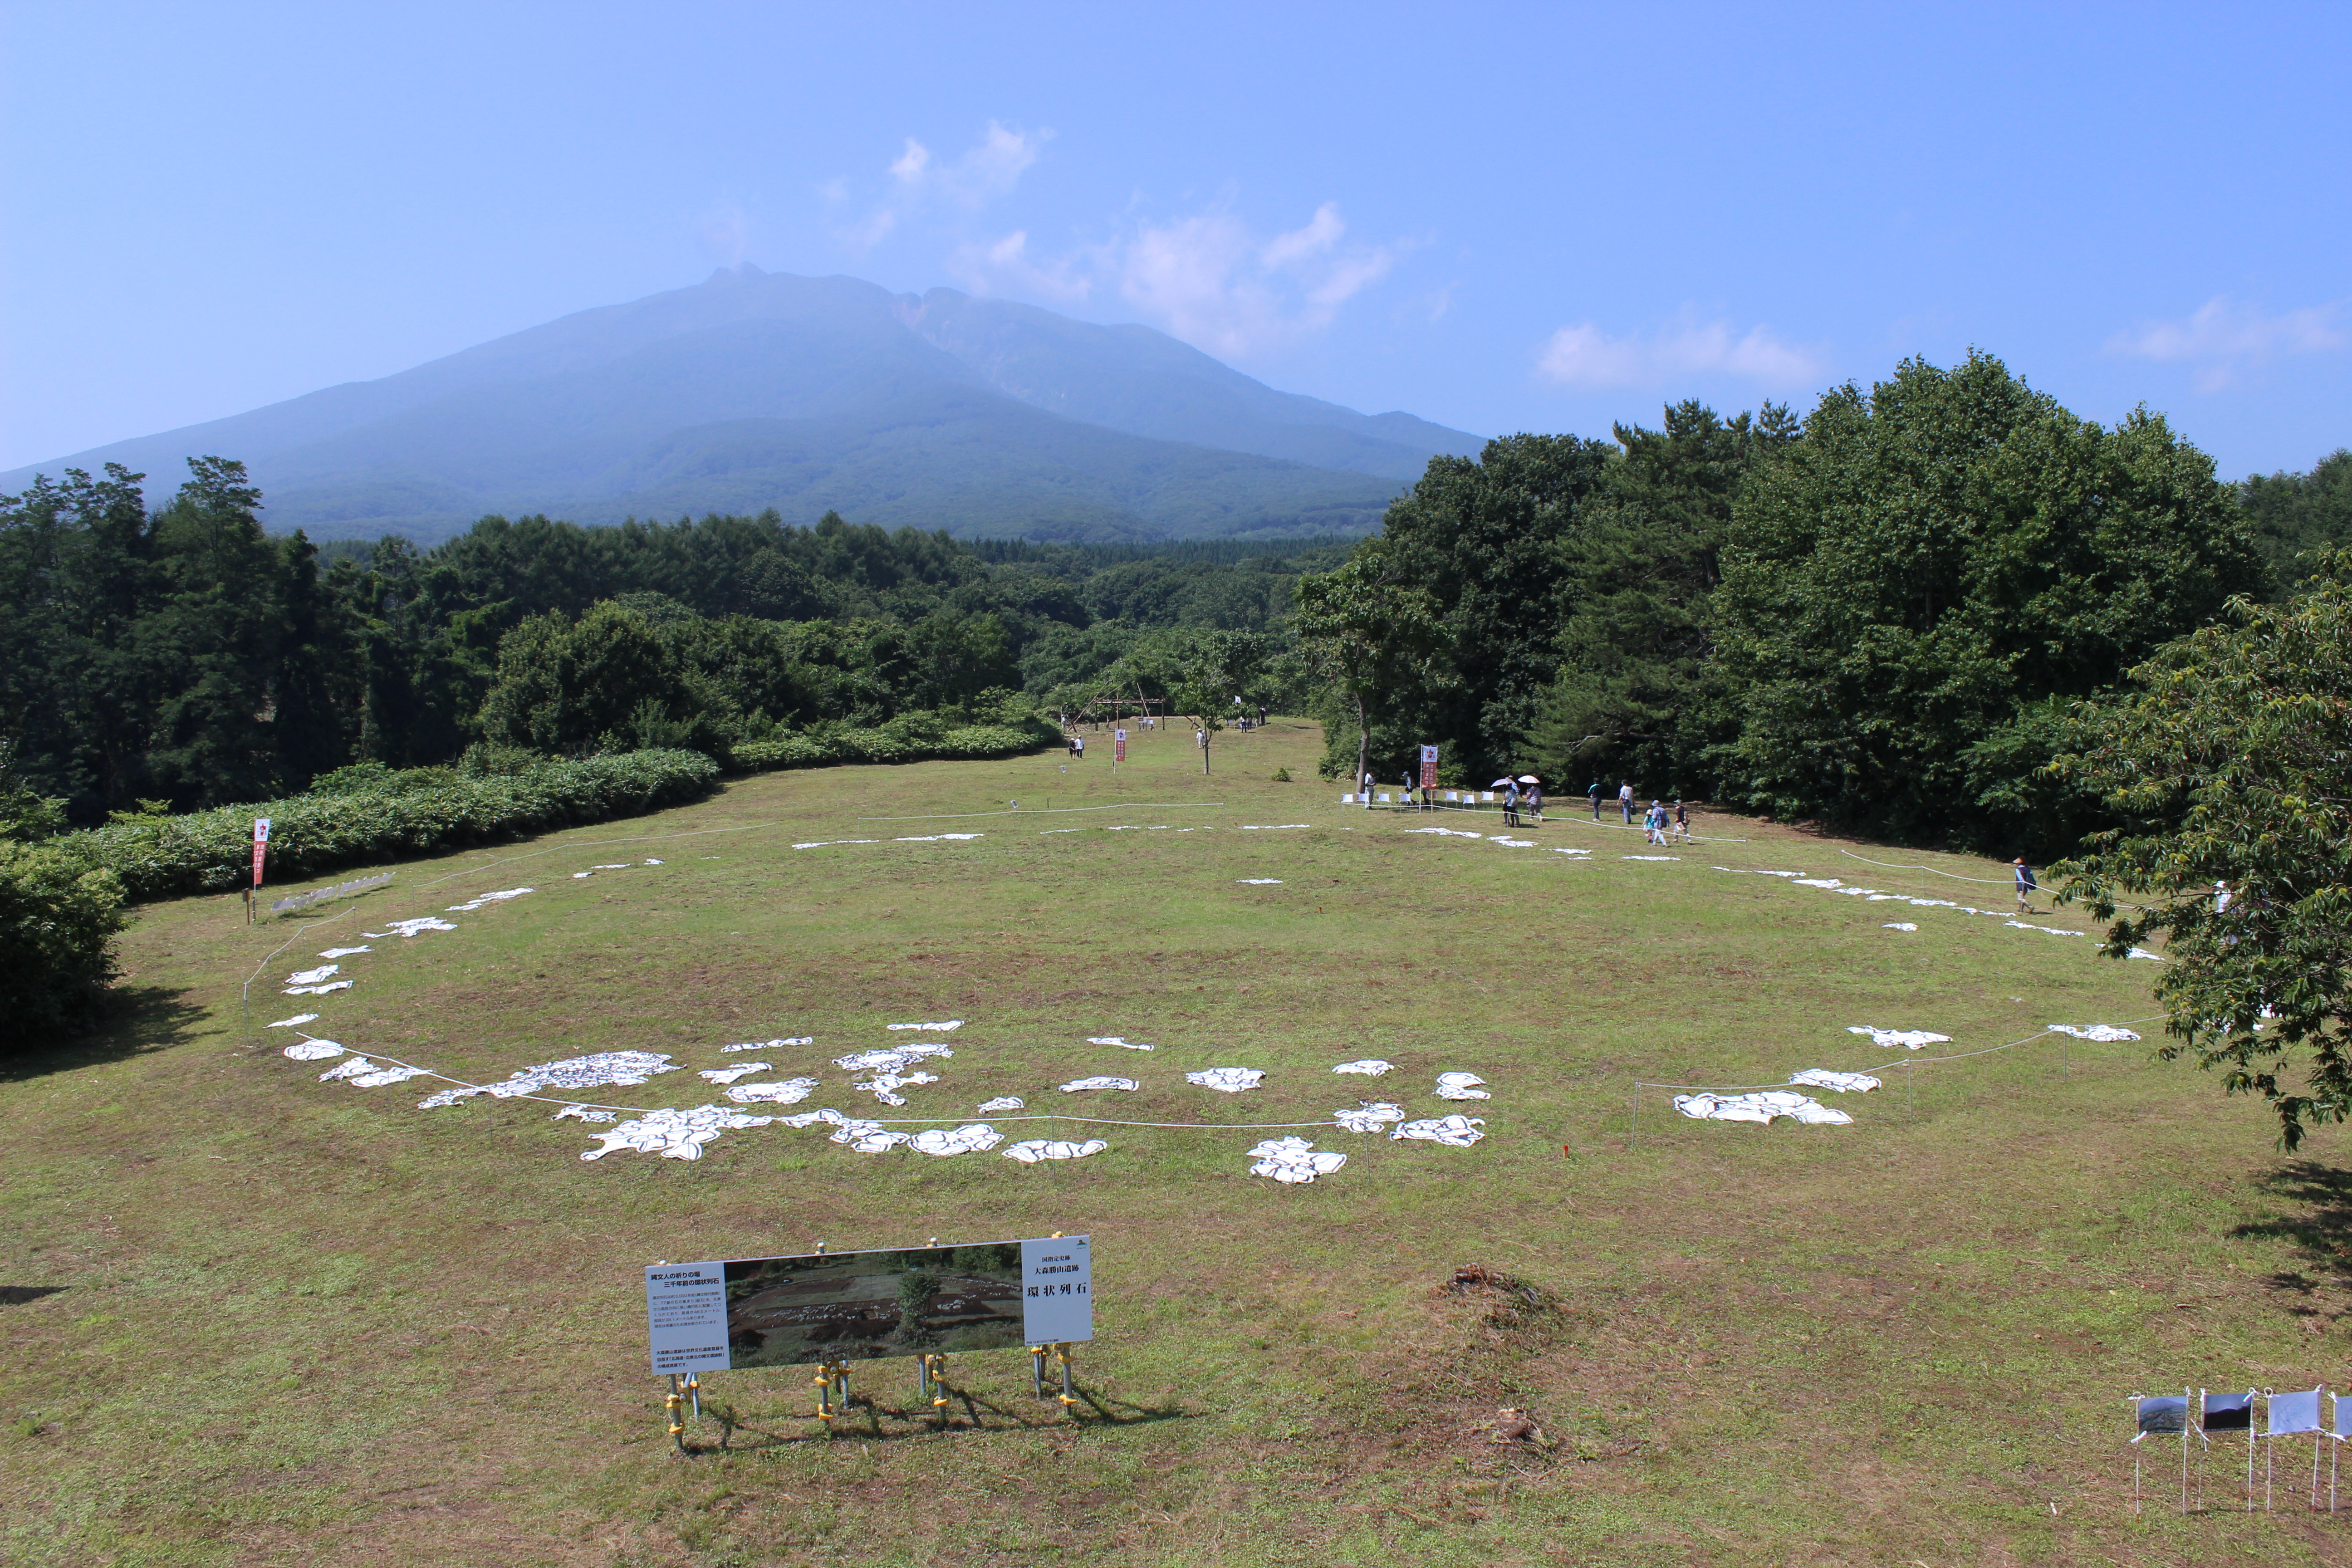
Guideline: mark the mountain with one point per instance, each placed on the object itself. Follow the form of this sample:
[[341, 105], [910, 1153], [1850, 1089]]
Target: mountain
[[756, 389]]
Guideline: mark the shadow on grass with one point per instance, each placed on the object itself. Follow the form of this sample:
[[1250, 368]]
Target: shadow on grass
[[138, 1019], [869, 1421], [2319, 1225], [18, 1295]]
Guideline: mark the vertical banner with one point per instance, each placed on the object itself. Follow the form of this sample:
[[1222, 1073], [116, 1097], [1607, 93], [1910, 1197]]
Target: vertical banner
[[1118, 745], [260, 847], [1429, 767]]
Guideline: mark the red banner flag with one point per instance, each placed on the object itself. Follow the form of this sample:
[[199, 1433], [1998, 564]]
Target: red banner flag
[[1429, 767], [260, 847], [1119, 746]]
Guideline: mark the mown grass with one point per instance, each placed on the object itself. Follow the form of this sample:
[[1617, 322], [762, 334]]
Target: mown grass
[[295, 1322]]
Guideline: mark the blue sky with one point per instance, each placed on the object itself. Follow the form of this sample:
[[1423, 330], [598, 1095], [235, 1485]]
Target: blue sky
[[1498, 217]]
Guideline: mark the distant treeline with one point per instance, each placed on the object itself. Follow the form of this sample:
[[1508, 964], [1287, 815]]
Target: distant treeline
[[180, 657], [1882, 614]]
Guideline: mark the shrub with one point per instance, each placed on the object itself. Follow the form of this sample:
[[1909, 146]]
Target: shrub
[[397, 815], [910, 739], [58, 919]]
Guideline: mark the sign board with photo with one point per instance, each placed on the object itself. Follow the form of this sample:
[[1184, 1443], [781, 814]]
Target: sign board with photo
[[854, 1306]]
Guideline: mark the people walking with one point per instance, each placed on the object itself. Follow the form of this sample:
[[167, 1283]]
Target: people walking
[[1535, 801], [1655, 819], [1682, 820], [2025, 886], [1078, 747], [1511, 805], [1625, 800], [1367, 796], [1592, 792]]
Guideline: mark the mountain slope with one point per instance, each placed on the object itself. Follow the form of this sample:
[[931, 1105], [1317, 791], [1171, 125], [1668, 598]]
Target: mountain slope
[[755, 390]]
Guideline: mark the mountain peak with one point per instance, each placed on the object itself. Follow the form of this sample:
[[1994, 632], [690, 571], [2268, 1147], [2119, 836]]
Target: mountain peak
[[755, 389]]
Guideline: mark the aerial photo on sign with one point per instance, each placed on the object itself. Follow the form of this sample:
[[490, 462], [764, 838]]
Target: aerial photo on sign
[[781, 1312]]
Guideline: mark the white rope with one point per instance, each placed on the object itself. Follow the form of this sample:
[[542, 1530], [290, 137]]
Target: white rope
[[244, 993], [1876, 1069], [881, 1121], [1955, 876], [1563, 816], [1058, 810]]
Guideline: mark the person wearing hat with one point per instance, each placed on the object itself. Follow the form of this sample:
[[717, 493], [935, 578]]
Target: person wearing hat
[[2025, 886], [1511, 803], [1592, 792]]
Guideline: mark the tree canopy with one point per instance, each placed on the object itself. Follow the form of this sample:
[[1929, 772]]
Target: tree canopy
[[1910, 585], [2230, 770]]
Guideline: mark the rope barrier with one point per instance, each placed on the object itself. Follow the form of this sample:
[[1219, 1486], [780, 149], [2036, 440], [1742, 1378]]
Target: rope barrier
[[1877, 1069], [1057, 810], [1565, 818], [878, 1120], [1955, 876], [244, 993]]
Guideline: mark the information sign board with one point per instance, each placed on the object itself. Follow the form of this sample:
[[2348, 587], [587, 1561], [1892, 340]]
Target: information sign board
[[858, 1306], [260, 846], [1119, 746], [1429, 767]]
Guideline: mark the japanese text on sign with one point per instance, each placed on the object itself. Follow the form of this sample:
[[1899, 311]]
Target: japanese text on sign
[[1057, 1289]]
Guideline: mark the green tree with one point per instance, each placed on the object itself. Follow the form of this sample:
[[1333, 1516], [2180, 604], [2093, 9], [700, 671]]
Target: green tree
[[1635, 697], [1368, 631], [1908, 586], [606, 683], [2230, 773], [1486, 541], [2293, 513]]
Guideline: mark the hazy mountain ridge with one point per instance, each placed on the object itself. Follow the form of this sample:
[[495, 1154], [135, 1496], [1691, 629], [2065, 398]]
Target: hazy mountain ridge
[[753, 389]]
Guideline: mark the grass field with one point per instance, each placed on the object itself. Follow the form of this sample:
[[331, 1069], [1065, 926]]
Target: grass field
[[254, 1318]]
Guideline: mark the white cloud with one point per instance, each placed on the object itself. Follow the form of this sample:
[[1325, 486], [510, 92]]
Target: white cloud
[[989, 169], [1583, 356], [2224, 338], [1207, 279], [1005, 266]]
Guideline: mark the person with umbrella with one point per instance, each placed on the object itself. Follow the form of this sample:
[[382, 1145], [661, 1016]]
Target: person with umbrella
[[1510, 788], [1535, 796]]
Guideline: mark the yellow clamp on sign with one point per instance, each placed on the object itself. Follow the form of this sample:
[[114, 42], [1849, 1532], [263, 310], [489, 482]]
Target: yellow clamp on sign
[[676, 1401], [1062, 1353], [937, 1366], [824, 1381]]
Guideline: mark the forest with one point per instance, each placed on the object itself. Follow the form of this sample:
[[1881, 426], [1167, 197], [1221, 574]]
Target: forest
[[1884, 615], [175, 657]]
